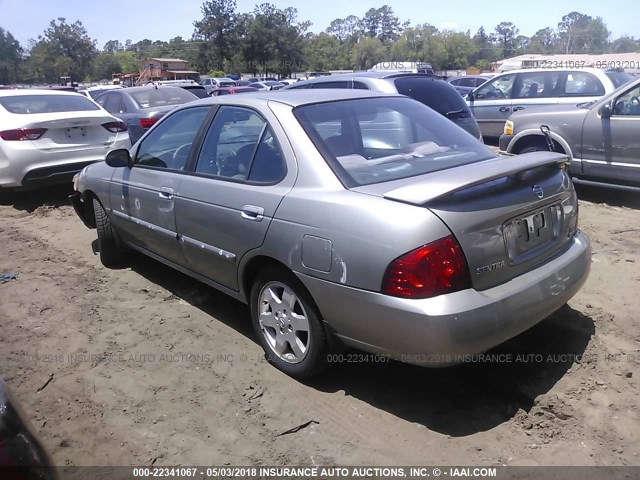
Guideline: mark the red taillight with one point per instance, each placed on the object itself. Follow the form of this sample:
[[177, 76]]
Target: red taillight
[[115, 127], [22, 134], [433, 269], [147, 122]]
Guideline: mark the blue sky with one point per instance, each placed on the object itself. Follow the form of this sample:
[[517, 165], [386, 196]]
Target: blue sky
[[162, 19]]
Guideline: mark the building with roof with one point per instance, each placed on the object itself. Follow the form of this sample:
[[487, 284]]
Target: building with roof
[[154, 69]]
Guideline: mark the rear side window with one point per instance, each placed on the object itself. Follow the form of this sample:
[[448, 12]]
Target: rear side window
[[436, 94], [582, 84], [537, 85], [31, 104]]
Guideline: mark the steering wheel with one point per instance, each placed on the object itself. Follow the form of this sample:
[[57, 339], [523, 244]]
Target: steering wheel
[[634, 100], [181, 153]]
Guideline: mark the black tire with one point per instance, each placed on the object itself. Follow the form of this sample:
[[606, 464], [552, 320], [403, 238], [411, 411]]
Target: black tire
[[315, 357], [109, 244], [533, 148]]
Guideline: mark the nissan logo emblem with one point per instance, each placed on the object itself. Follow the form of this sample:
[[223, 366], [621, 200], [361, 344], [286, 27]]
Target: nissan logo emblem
[[537, 191]]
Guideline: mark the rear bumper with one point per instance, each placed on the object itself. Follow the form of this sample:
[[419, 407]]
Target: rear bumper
[[445, 329]]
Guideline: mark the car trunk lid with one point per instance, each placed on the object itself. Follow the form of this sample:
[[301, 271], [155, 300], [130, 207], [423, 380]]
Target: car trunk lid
[[509, 214]]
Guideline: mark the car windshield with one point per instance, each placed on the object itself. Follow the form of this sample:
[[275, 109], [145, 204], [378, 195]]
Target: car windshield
[[161, 97], [30, 104], [618, 78], [374, 140]]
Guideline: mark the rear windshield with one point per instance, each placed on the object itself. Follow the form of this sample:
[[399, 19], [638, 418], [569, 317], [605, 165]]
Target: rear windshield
[[618, 78], [29, 104], [161, 97], [437, 94], [373, 140]]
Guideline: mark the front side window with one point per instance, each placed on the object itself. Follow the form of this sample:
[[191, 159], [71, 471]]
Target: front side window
[[240, 146], [372, 140], [168, 145], [583, 84], [537, 85], [499, 87], [628, 103]]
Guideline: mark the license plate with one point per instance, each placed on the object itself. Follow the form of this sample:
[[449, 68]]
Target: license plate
[[528, 232], [76, 132]]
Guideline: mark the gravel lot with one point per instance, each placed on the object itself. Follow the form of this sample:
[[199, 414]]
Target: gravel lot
[[150, 367]]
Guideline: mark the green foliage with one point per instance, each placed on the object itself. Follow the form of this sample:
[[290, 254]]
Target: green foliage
[[10, 57], [272, 40]]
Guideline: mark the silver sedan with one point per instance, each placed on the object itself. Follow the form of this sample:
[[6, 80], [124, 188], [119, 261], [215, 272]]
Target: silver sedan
[[345, 217]]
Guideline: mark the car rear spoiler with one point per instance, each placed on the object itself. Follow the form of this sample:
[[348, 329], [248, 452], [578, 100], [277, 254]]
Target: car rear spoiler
[[447, 181]]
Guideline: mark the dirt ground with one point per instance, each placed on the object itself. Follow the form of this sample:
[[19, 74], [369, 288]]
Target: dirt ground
[[146, 366]]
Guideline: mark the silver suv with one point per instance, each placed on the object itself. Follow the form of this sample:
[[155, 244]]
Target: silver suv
[[427, 89], [601, 137], [493, 102]]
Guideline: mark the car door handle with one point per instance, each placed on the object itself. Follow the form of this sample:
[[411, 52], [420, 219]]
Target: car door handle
[[251, 212], [515, 109], [504, 109], [166, 193]]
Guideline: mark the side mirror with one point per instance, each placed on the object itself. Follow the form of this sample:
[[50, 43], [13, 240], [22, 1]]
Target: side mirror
[[606, 110], [119, 158]]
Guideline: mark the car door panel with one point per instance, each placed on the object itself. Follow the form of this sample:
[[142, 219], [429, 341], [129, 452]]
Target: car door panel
[[611, 146], [223, 210], [142, 197], [491, 105]]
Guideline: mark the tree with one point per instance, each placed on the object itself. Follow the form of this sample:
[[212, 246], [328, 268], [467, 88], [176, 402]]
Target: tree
[[381, 23], [346, 29], [506, 33], [458, 48], [112, 46], [273, 40], [543, 41], [580, 33], [218, 30], [367, 52], [10, 57], [64, 50], [625, 44]]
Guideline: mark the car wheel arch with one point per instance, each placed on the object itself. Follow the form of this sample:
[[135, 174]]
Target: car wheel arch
[[87, 202], [534, 139]]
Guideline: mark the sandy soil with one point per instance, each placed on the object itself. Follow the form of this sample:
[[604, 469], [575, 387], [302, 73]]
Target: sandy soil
[[150, 367]]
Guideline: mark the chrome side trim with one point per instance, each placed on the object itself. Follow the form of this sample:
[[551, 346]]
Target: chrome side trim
[[209, 248], [143, 223], [615, 164]]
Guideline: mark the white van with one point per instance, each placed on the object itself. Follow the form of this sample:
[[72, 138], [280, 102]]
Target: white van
[[494, 101]]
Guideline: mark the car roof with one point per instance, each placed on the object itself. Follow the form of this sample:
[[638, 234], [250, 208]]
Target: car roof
[[147, 87], [294, 98]]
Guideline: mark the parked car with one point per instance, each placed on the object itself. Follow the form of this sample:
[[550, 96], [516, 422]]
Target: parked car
[[345, 214], [288, 81], [47, 136], [198, 90], [467, 83], [22, 455], [428, 90], [97, 90], [267, 85], [141, 107], [493, 102], [216, 82], [602, 137], [232, 90]]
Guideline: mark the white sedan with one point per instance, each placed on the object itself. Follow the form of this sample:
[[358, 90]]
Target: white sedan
[[47, 136]]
